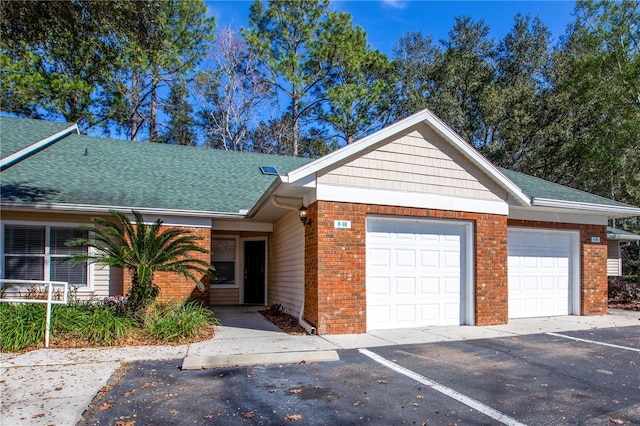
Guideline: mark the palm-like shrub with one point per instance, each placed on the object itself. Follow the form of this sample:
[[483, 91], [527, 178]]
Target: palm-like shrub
[[143, 249]]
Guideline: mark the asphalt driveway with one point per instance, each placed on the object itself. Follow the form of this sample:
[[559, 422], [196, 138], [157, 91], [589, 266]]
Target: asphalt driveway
[[580, 377]]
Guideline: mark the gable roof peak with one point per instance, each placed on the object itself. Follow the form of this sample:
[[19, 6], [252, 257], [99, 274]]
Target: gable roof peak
[[427, 117]]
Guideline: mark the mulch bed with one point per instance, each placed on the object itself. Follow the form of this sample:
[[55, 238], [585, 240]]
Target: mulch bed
[[628, 306], [284, 321]]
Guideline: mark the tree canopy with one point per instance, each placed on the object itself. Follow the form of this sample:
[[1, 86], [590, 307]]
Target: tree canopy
[[302, 79]]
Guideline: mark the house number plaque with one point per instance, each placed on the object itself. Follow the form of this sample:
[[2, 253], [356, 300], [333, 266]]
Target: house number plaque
[[342, 224]]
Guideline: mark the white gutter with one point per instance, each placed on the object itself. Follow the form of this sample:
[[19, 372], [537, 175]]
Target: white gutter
[[88, 208], [7, 161], [274, 200], [602, 208], [619, 237]]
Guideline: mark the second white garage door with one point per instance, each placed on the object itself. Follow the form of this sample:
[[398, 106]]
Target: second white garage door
[[540, 272], [416, 273]]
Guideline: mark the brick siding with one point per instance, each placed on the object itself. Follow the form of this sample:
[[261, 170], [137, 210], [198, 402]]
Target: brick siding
[[335, 264], [175, 286]]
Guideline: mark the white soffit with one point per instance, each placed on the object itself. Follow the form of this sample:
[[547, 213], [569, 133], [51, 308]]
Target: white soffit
[[240, 225], [549, 215]]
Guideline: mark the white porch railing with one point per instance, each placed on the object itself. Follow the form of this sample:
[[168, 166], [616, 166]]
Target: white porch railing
[[49, 300]]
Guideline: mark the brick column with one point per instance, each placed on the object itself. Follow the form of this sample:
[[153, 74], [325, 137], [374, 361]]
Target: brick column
[[174, 286]]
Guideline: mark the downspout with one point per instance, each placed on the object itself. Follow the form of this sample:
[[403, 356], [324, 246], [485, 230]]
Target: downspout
[[308, 327]]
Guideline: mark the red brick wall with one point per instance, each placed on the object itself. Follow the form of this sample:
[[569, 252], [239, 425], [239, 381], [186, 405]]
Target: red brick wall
[[593, 262], [175, 286], [335, 264]]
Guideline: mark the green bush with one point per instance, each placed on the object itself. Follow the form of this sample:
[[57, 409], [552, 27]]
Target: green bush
[[22, 326], [172, 322]]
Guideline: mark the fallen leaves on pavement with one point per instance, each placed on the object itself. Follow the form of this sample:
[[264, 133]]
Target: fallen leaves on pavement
[[293, 417]]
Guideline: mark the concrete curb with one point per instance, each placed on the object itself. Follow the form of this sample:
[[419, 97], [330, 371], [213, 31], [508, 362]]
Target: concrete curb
[[202, 362]]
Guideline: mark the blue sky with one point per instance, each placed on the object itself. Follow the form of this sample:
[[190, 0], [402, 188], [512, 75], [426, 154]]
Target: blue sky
[[385, 20]]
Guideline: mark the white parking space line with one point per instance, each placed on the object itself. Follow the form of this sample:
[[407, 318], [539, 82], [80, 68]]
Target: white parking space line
[[470, 402], [595, 342]]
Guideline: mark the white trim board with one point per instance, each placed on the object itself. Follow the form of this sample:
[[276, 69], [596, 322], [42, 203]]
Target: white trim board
[[17, 156], [346, 194]]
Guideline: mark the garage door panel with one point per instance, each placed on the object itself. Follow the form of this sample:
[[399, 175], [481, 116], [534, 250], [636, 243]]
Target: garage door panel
[[405, 258], [452, 314], [451, 259], [405, 286], [405, 313], [430, 312], [451, 287], [429, 286], [382, 314], [380, 286], [379, 257], [539, 272], [424, 277], [429, 258]]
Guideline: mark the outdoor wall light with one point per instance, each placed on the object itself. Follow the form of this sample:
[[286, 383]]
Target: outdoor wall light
[[304, 218]]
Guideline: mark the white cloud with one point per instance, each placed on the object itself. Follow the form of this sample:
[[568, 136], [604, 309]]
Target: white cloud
[[395, 4]]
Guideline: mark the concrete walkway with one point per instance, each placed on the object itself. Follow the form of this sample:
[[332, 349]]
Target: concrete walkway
[[54, 386]]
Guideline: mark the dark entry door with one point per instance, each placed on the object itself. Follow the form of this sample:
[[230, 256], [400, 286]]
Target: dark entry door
[[254, 268]]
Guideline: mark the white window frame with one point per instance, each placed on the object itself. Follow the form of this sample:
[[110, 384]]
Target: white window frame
[[47, 250], [236, 261]]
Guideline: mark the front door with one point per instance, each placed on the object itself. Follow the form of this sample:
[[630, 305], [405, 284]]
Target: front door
[[254, 272]]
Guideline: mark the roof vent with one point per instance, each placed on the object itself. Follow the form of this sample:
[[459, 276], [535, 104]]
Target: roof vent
[[269, 170]]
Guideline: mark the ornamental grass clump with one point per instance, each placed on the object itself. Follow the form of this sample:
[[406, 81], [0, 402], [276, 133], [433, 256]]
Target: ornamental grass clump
[[175, 323], [96, 324], [22, 326]]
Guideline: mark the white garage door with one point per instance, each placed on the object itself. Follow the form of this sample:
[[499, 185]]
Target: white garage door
[[540, 264], [416, 273]]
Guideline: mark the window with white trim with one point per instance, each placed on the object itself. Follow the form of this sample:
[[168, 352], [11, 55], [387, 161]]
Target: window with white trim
[[35, 252], [223, 259]]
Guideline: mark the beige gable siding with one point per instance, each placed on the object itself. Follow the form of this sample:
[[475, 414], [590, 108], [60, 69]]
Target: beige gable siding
[[286, 263], [418, 161], [614, 262]]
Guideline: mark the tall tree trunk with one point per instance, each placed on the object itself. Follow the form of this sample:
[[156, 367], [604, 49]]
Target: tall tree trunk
[[135, 99], [153, 110], [295, 125]]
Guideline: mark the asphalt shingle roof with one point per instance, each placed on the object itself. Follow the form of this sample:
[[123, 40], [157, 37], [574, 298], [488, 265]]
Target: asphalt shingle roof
[[540, 188], [19, 133], [115, 173], [109, 172]]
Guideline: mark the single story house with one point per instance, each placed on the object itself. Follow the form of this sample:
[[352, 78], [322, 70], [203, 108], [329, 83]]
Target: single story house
[[407, 227]]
